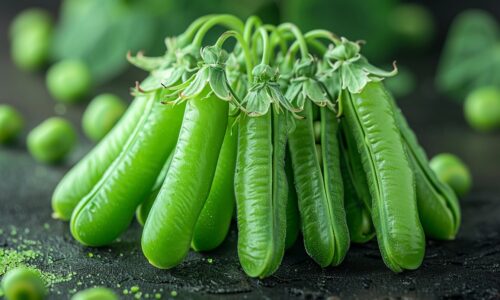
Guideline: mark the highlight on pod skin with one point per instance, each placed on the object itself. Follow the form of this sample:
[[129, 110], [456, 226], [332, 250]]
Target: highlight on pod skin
[[248, 155]]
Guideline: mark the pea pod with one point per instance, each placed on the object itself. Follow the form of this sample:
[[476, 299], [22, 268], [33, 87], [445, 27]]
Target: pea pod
[[292, 208], [358, 216], [143, 209], [80, 180], [320, 194], [438, 205], [215, 218], [168, 231], [261, 192], [106, 211], [371, 121]]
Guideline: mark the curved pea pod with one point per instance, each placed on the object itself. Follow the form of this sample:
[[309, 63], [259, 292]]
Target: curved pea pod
[[319, 192], [358, 216], [370, 119], [143, 209], [261, 192], [438, 205], [169, 228], [80, 180], [106, 211], [292, 207], [215, 218]]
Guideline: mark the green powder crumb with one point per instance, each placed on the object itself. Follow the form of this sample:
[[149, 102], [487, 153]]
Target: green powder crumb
[[138, 295], [157, 296], [90, 254], [134, 289], [125, 292], [173, 293], [46, 226], [210, 261]]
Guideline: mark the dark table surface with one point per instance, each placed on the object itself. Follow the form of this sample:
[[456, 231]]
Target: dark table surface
[[467, 268]]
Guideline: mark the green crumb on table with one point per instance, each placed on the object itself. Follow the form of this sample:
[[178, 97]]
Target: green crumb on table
[[46, 226], [90, 254], [210, 261], [157, 296], [134, 289], [173, 293], [125, 292], [138, 295]]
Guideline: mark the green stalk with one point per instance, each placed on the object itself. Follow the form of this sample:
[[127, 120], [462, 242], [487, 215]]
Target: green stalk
[[229, 21], [244, 46]]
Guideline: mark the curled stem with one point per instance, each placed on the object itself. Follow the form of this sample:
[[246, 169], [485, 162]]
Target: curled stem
[[229, 21], [250, 24], [187, 36], [244, 46], [299, 37]]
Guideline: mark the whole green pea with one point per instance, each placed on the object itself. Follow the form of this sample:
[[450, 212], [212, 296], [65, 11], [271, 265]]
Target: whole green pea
[[101, 115], [52, 140], [452, 171], [23, 284], [413, 24], [11, 123], [30, 48], [69, 80], [482, 108], [29, 18], [97, 293]]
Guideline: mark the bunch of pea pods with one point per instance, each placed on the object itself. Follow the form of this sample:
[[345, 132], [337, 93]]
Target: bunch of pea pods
[[295, 130]]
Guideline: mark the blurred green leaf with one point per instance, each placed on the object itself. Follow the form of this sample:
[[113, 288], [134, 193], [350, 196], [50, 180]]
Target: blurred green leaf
[[471, 57]]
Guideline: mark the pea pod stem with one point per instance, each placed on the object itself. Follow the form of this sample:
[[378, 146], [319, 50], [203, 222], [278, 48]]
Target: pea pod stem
[[228, 20], [244, 46]]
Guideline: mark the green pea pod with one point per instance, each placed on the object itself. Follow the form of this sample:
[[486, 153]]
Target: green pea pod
[[438, 205], [106, 211], [358, 216], [261, 192], [143, 209], [168, 231], [213, 223], [80, 180], [370, 119], [292, 208], [320, 195]]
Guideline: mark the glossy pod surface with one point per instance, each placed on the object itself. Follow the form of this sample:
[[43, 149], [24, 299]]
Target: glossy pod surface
[[106, 211], [215, 217], [370, 120], [80, 180], [169, 227], [438, 205], [261, 193], [319, 195]]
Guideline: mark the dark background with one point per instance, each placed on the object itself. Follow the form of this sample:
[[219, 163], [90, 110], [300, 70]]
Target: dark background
[[465, 268]]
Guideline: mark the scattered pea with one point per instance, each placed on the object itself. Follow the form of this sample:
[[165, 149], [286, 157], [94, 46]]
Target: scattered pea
[[31, 34], [98, 293], [101, 115], [413, 24], [29, 18], [482, 108], [23, 284], [134, 289], [11, 123], [157, 296], [69, 80], [52, 140], [173, 293], [451, 170], [210, 261]]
